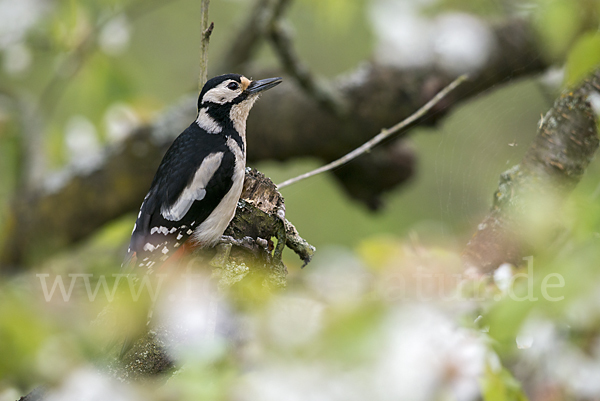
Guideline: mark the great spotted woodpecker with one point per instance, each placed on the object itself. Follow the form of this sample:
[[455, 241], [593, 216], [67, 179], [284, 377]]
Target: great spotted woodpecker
[[198, 183]]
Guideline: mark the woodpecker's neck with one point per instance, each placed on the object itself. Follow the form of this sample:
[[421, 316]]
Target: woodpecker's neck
[[238, 115], [226, 119], [208, 123]]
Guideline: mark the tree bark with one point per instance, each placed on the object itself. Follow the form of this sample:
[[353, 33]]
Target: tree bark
[[553, 165]]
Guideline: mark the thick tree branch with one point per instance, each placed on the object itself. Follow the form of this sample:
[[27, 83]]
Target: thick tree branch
[[283, 125], [553, 165], [384, 167]]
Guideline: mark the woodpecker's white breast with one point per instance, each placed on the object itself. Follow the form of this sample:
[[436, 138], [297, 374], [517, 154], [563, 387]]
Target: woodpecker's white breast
[[209, 232]]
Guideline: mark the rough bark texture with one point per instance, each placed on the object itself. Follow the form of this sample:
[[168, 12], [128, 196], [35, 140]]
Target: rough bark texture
[[553, 165], [283, 125], [260, 216]]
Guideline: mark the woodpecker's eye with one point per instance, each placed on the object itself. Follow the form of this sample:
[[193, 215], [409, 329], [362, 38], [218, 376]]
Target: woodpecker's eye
[[233, 86]]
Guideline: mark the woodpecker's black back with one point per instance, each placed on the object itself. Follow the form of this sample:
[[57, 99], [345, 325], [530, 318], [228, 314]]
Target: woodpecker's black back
[[181, 161], [199, 180]]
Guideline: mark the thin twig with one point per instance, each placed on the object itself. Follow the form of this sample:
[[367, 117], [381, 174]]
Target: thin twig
[[266, 19], [384, 134], [206, 31], [279, 8], [248, 37], [253, 31], [319, 89]]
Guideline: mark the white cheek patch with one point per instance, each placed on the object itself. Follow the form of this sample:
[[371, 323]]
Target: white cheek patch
[[195, 190], [207, 122], [221, 94]]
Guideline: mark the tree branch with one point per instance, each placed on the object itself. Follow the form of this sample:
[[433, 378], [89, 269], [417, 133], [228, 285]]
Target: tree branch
[[553, 165], [377, 139], [319, 89]]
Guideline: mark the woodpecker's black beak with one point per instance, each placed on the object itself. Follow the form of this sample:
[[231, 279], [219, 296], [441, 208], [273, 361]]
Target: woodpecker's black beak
[[263, 85]]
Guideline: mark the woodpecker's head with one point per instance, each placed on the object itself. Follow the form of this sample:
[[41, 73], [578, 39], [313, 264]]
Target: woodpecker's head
[[226, 100]]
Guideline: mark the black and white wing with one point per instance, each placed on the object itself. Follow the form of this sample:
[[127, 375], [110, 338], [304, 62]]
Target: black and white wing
[[188, 186]]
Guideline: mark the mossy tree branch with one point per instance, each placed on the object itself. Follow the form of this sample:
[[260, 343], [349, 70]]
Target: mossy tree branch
[[566, 142]]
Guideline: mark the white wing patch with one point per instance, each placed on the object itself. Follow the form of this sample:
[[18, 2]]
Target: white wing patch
[[207, 122], [195, 190]]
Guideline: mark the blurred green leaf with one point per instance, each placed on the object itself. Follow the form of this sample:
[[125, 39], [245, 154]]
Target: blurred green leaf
[[501, 386], [481, 7], [352, 335], [504, 322], [557, 22], [337, 16], [23, 331], [379, 251], [583, 58], [102, 83], [200, 382], [71, 25], [114, 234]]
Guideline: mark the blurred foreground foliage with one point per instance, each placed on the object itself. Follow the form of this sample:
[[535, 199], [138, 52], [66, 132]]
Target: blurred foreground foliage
[[390, 319]]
